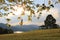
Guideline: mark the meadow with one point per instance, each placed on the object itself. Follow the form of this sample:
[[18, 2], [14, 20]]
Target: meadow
[[46, 34]]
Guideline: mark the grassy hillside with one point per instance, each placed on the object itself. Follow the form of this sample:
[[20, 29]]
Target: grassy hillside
[[48, 34]]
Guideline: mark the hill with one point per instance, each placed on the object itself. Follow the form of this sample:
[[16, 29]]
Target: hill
[[25, 28], [3, 26], [48, 34], [20, 28]]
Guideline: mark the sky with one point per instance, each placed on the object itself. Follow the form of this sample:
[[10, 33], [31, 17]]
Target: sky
[[53, 11]]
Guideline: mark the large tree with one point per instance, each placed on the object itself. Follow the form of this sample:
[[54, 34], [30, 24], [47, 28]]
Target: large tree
[[28, 5]]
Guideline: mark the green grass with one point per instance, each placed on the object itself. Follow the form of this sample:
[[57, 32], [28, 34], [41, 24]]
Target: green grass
[[48, 34]]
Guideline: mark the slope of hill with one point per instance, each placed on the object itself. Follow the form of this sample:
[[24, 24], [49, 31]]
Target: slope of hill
[[25, 28], [48, 34], [20, 28], [3, 26]]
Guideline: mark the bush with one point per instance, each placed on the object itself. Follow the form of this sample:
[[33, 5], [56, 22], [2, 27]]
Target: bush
[[5, 31]]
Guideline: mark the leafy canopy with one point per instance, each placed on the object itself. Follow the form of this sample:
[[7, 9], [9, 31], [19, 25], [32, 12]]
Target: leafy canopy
[[28, 5]]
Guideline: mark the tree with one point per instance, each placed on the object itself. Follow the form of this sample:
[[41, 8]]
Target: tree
[[50, 22], [5, 31], [26, 5]]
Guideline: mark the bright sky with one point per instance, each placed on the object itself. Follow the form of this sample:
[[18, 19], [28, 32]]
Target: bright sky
[[54, 11]]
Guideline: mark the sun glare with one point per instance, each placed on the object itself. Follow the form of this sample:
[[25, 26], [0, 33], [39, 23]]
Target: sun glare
[[18, 10]]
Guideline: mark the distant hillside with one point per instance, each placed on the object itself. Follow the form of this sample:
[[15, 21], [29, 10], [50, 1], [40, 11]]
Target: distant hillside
[[3, 26], [25, 28], [20, 28]]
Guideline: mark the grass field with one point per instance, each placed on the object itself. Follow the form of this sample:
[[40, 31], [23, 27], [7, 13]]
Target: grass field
[[48, 34]]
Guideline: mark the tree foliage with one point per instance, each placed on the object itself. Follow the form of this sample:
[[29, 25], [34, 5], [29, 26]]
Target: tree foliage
[[50, 22], [26, 4]]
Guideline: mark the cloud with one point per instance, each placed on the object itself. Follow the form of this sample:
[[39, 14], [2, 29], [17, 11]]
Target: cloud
[[54, 12]]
